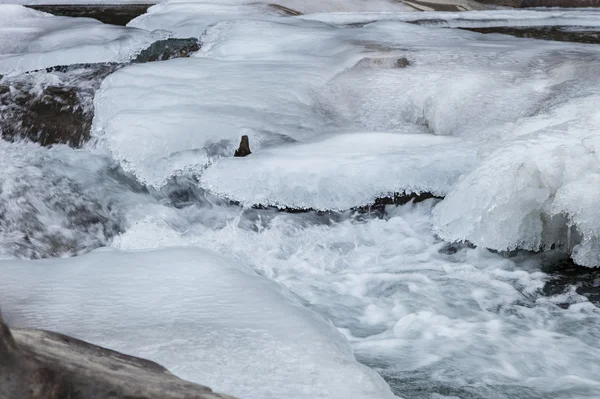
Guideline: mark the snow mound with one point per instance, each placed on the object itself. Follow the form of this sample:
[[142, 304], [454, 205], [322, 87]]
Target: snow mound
[[31, 39], [174, 117], [342, 171], [468, 19], [206, 318], [537, 191]]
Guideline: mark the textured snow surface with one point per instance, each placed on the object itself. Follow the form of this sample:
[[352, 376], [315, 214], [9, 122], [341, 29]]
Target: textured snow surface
[[187, 18], [206, 318], [342, 171], [307, 84], [31, 39], [470, 19]]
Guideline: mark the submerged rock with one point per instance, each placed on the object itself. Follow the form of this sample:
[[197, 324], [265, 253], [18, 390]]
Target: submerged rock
[[51, 106], [39, 364]]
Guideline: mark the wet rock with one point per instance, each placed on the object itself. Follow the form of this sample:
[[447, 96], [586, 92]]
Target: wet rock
[[168, 49], [543, 3], [556, 33], [565, 275], [55, 105], [244, 149], [51, 106], [285, 10], [39, 364], [108, 13]]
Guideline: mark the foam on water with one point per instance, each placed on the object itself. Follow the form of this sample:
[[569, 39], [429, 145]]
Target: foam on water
[[471, 324]]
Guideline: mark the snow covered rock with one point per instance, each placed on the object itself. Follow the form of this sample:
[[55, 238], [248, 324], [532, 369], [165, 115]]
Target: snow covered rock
[[206, 318], [31, 40], [341, 171], [35, 363]]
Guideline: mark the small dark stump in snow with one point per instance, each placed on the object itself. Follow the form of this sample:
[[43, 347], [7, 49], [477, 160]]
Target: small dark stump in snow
[[244, 148], [36, 364]]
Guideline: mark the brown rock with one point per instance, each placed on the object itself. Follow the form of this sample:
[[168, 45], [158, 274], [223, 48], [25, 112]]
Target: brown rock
[[36, 364], [244, 148]]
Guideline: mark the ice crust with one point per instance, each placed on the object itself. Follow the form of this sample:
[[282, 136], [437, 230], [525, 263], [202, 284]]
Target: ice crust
[[342, 171], [31, 40], [206, 318], [323, 86], [469, 19]]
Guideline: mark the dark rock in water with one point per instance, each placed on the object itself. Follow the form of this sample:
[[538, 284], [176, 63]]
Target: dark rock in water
[[244, 149], [51, 106], [556, 33], [55, 105], [45, 365], [108, 13], [285, 10], [543, 3], [168, 49], [565, 275]]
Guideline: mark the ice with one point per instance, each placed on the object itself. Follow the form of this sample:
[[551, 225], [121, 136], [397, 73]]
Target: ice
[[174, 117], [206, 318], [537, 190], [31, 40], [469, 19], [342, 171]]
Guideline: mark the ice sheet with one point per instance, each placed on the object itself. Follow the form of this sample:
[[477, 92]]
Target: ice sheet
[[31, 39], [342, 171], [206, 318], [469, 19]]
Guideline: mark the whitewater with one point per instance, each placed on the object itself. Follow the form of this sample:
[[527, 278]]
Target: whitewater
[[275, 275]]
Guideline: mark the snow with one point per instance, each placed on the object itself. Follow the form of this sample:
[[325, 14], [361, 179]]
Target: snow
[[469, 19], [535, 191], [31, 39], [342, 171], [206, 318], [317, 99]]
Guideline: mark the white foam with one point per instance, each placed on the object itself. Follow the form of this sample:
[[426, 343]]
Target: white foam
[[204, 317], [31, 39]]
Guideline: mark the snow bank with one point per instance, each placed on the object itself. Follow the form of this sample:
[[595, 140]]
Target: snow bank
[[205, 318], [174, 117], [342, 171], [537, 191], [469, 19], [31, 39]]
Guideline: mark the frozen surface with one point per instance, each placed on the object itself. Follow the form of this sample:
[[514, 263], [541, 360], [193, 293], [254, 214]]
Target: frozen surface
[[205, 318], [185, 18], [470, 19], [31, 39], [537, 191], [342, 171]]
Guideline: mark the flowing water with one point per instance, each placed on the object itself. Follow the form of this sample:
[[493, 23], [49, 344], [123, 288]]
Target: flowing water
[[341, 109]]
